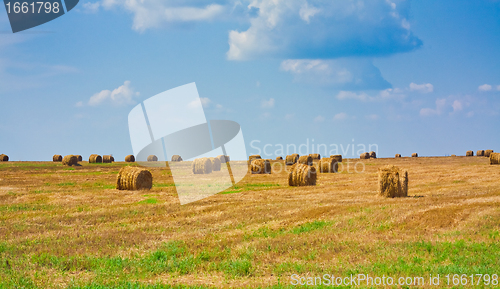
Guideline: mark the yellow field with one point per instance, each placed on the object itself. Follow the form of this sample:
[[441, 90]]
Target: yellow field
[[69, 227]]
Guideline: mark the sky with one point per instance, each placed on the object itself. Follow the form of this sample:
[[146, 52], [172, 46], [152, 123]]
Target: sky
[[401, 76]]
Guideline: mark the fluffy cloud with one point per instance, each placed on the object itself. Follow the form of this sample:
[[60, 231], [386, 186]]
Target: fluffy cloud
[[340, 116], [341, 73], [422, 88], [485, 87], [386, 94], [324, 29], [267, 103], [372, 117], [122, 95], [154, 13], [440, 105], [457, 105], [319, 118]]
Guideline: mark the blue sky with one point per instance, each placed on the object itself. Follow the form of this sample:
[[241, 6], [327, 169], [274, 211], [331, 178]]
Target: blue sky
[[408, 76]]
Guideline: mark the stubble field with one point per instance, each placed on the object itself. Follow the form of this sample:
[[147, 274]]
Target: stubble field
[[64, 227]]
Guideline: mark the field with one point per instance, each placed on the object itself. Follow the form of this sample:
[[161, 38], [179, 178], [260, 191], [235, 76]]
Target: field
[[66, 227]]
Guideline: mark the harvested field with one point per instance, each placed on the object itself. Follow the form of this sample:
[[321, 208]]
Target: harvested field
[[66, 227]]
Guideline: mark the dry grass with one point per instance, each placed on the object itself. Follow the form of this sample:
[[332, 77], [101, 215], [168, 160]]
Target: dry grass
[[61, 226]]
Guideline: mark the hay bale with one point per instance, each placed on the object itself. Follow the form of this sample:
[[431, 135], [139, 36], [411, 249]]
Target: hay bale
[[215, 164], [176, 158], [134, 178], [397, 156], [328, 165], [302, 175], [152, 158], [495, 159], [4, 158], [260, 166], [291, 159], [202, 166], [80, 158], [392, 182], [315, 156], [254, 157], [130, 159], [223, 159], [57, 158], [373, 155], [337, 158], [279, 158], [480, 153], [94, 159], [107, 159], [453, 155], [487, 153], [469, 154], [414, 155], [364, 156], [70, 160], [306, 160]]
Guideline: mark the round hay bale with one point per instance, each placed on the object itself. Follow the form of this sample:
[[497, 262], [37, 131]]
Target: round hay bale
[[480, 153], [254, 157], [176, 158], [130, 159], [397, 156], [302, 175], [495, 159], [70, 160], [414, 155], [57, 158], [487, 153], [364, 156], [94, 159], [80, 158], [328, 165], [453, 155], [223, 159], [4, 158], [291, 159], [202, 166], [392, 182], [152, 158], [260, 166], [306, 160], [215, 164], [469, 154], [279, 158], [315, 156], [107, 159], [337, 158], [373, 155], [134, 178]]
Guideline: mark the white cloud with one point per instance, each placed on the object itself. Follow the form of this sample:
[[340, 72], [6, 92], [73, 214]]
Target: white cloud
[[306, 12], [319, 118], [296, 29], [91, 7], [498, 87], [422, 88], [349, 73], [205, 101], [79, 104], [267, 103], [122, 95], [484, 87], [353, 95], [340, 116], [289, 116], [372, 117], [470, 114], [155, 13], [440, 105], [457, 105]]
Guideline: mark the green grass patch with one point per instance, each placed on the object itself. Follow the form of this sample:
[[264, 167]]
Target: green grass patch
[[149, 201], [308, 227], [66, 184]]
